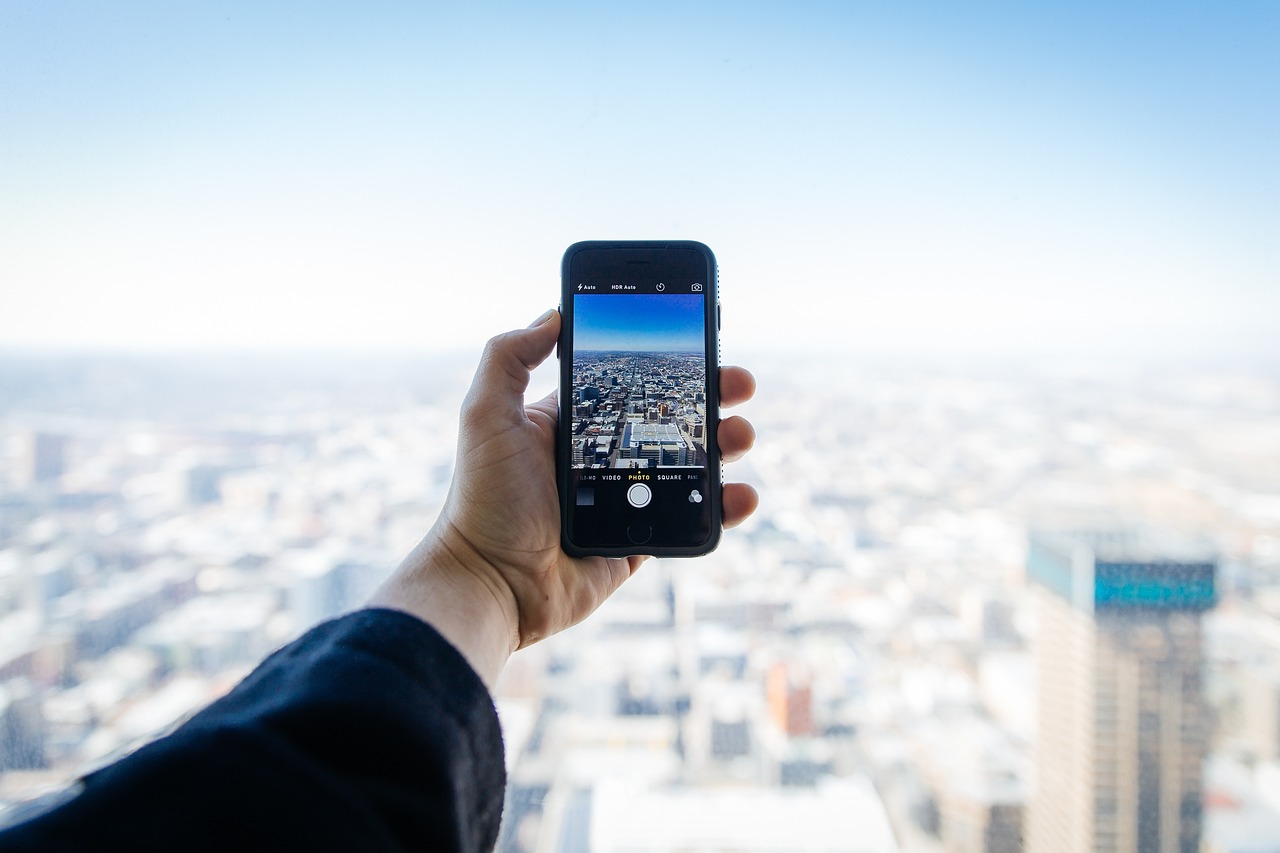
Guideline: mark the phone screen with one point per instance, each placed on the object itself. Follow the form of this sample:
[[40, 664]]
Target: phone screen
[[641, 470]]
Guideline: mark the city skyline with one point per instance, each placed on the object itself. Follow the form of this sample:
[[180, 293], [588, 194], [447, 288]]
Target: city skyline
[[862, 651], [997, 269], [638, 408]]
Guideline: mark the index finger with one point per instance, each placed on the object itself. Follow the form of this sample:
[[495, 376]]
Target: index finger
[[737, 385]]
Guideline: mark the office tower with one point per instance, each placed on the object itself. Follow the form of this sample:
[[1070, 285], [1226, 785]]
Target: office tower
[[790, 699], [45, 459], [1259, 719], [22, 726], [661, 444], [1123, 727]]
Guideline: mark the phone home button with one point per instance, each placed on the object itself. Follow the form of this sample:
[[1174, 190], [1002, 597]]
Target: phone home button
[[639, 533]]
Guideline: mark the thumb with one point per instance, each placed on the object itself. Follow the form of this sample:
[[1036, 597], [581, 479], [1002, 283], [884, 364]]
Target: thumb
[[503, 375]]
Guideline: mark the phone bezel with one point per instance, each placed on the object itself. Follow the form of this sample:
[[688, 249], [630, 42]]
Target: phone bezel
[[711, 305]]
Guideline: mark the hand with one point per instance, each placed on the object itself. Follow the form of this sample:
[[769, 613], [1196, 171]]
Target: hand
[[490, 575]]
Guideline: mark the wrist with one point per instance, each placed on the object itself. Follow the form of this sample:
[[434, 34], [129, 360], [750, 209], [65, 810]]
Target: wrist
[[450, 587]]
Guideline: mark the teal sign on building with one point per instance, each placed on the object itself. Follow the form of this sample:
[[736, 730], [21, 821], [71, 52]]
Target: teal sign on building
[[1155, 585], [1070, 567]]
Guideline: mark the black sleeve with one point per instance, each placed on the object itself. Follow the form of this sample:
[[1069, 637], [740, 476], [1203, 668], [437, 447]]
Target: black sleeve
[[370, 732]]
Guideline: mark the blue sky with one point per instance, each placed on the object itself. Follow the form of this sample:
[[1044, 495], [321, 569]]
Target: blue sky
[[901, 176], [639, 323]]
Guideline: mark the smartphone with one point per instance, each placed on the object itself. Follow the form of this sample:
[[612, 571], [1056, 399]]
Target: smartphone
[[638, 465]]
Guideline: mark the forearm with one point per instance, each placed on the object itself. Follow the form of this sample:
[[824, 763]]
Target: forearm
[[439, 584], [368, 733]]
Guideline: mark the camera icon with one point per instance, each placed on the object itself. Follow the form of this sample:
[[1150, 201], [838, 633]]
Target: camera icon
[[695, 287]]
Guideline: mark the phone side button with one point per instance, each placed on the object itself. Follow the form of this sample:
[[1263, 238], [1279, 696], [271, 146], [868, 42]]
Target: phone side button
[[639, 533]]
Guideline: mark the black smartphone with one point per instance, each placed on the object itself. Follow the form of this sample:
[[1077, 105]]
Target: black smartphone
[[639, 468]]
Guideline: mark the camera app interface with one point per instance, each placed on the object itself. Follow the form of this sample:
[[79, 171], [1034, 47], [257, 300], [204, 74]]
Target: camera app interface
[[638, 442]]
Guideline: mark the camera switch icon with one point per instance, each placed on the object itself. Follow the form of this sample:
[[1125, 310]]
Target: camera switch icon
[[695, 287]]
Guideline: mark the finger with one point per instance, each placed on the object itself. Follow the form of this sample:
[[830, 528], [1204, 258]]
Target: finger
[[600, 577], [548, 405], [503, 374], [736, 436], [739, 501], [737, 385]]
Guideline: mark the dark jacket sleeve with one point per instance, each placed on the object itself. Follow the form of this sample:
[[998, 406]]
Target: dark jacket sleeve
[[370, 732]]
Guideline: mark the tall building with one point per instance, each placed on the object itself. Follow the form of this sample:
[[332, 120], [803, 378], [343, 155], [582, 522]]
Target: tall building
[[1123, 729], [22, 727], [45, 458], [661, 444], [790, 699]]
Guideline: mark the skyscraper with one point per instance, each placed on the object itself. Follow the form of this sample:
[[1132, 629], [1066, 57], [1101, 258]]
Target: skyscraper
[[1123, 728], [46, 458]]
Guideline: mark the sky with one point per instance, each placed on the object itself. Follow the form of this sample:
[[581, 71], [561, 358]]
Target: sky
[[638, 322], [872, 176]]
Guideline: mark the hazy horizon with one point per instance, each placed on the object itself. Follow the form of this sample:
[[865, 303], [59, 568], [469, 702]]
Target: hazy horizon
[[1084, 179]]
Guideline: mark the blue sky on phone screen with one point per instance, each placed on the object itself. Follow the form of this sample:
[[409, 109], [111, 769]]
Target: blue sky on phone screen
[[639, 323]]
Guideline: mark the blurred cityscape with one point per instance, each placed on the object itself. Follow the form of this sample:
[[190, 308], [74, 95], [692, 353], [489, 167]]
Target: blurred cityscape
[[983, 606]]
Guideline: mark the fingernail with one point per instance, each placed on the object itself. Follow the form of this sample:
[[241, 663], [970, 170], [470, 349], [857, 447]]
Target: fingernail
[[544, 318]]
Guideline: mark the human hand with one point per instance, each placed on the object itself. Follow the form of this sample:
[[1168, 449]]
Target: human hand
[[491, 570]]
